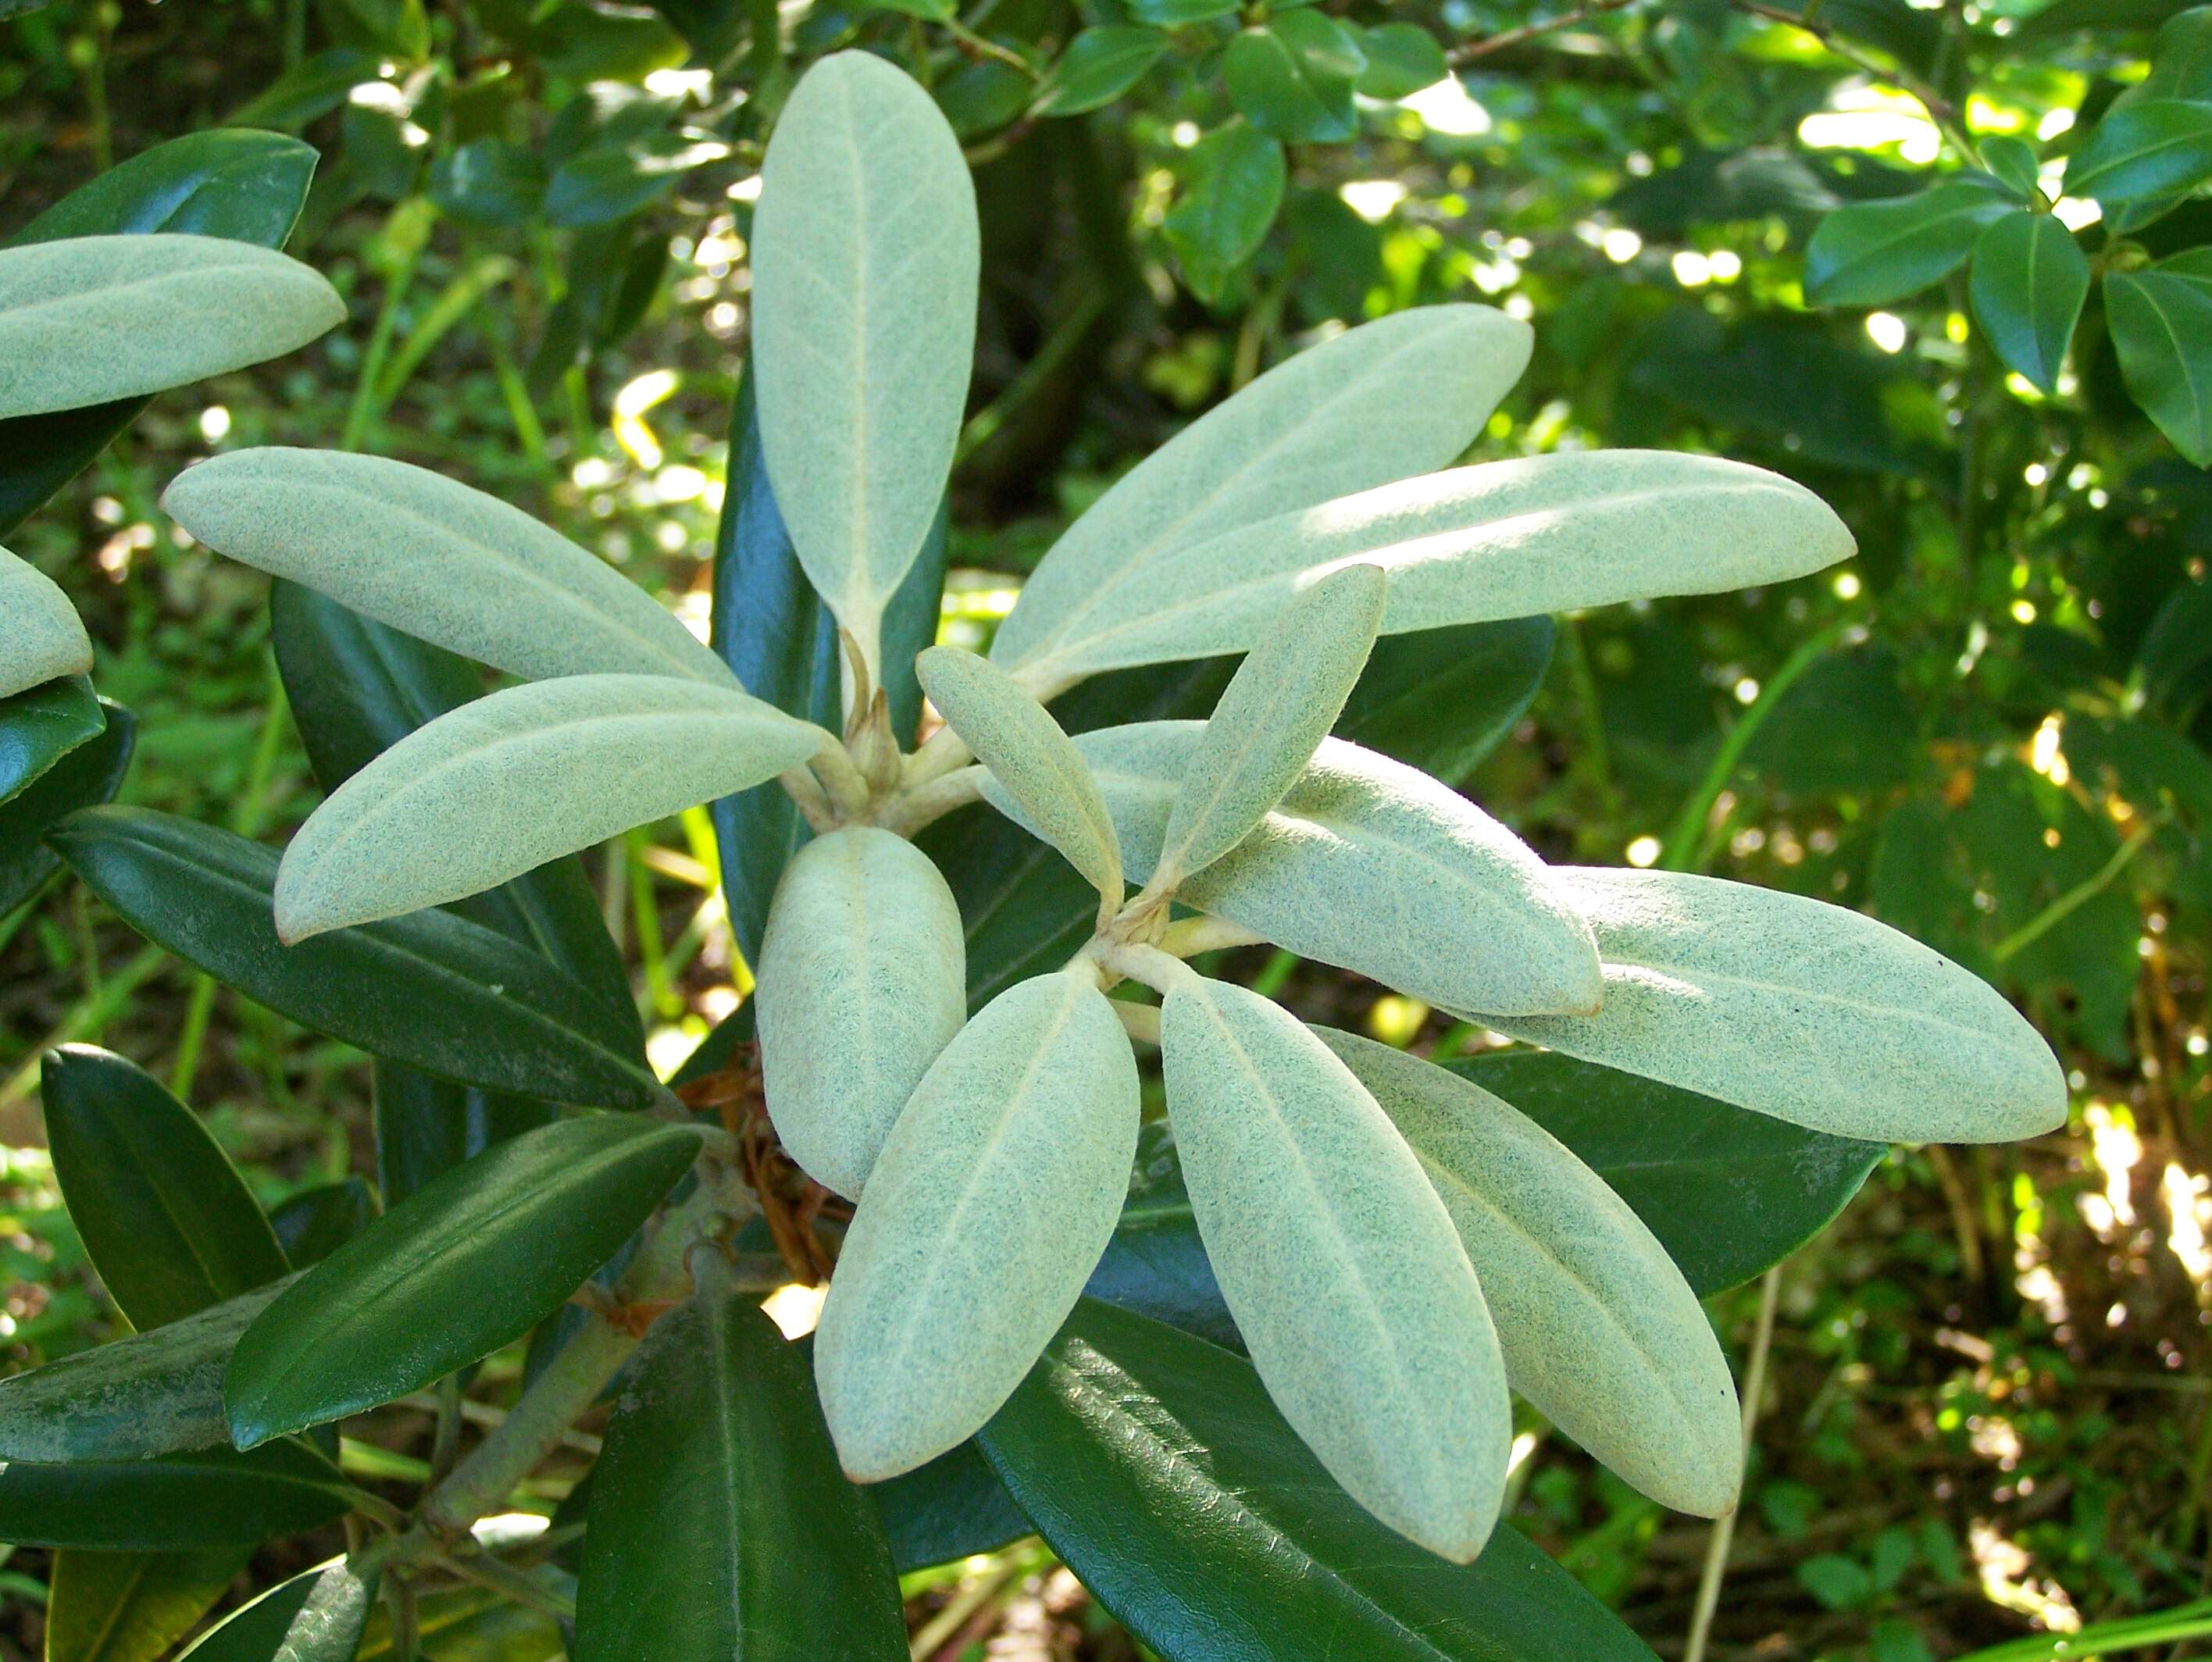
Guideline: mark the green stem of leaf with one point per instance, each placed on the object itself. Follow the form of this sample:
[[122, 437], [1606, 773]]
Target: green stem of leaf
[[2083, 893]]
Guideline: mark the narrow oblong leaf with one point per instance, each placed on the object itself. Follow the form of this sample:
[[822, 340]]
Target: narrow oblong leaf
[[179, 1503], [1033, 759], [1278, 706], [428, 554], [44, 639], [331, 1620], [1400, 396], [131, 1606], [89, 319], [1153, 1463], [431, 990], [356, 688], [1806, 1011], [467, 1265], [1599, 1329], [42, 724], [718, 1506], [864, 255], [164, 1217], [1504, 539], [1873, 252], [256, 1630], [521, 777], [2029, 281], [863, 982], [1368, 864], [989, 1205], [89, 774], [153, 1393], [227, 182], [1340, 1266]]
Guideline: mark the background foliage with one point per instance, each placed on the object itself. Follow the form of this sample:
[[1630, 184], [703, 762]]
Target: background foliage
[[1859, 246]]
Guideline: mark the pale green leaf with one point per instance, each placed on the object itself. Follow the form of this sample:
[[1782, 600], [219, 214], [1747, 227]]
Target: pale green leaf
[[41, 638], [863, 981], [987, 1211], [428, 554], [1793, 1008], [1400, 396], [88, 319], [503, 785], [1341, 1266], [1601, 1332], [1504, 539], [1032, 759], [1368, 864], [1276, 710], [865, 253]]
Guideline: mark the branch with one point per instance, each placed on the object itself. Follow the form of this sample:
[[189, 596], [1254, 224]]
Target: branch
[[1468, 51], [1941, 110]]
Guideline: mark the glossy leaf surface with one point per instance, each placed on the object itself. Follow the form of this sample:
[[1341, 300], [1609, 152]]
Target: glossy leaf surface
[[462, 1267], [166, 1218], [2030, 279], [43, 723], [718, 1507], [1154, 1463], [180, 1503]]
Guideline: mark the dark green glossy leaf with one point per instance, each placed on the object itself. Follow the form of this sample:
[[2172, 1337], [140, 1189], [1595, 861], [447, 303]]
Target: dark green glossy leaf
[[772, 628], [608, 183], [1099, 65], [1292, 77], [91, 773], [489, 183], [1729, 1193], [2161, 324], [253, 1631], [430, 988], [1873, 252], [41, 724], [1174, 13], [1154, 1463], [154, 1393], [131, 1606], [180, 1503], [1233, 185], [229, 182], [2012, 161], [2029, 281], [234, 183], [953, 1507], [1156, 1265], [315, 1222], [426, 1127], [166, 1218], [718, 1506], [464, 1266], [356, 688], [2157, 147]]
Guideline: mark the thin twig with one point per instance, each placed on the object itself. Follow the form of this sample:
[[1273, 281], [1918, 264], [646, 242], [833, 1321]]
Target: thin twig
[[1941, 110], [1716, 1552], [1468, 50]]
